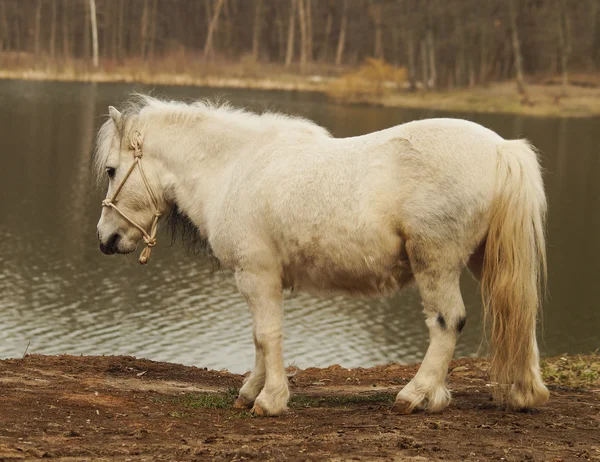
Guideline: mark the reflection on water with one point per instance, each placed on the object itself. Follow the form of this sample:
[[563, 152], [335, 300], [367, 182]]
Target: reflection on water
[[61, 295]]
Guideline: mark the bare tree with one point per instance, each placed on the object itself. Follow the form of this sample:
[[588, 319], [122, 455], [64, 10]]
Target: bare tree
[[339, 55], [153, 29], [37, 28], [309, 30], [208, 45], [289, 56], [257, 29], [375, 10], [94, 25], [430, 45], [564, 41], [323, 55], [516, 45], [303, 34], [144, 30], [53, 16], [5, 39], [424, 65], [594, 36], [65, 30]]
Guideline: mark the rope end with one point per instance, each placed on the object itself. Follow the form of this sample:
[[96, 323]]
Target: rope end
[[145, 255]]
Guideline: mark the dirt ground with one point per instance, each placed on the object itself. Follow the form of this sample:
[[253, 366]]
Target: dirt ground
[[123, 408]]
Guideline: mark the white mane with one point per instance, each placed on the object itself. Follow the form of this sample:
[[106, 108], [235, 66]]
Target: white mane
[[140, 110]]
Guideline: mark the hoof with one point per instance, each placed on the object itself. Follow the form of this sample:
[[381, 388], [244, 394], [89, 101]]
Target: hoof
[[241, 403], [534, 397], [402, 407], [258, 411]]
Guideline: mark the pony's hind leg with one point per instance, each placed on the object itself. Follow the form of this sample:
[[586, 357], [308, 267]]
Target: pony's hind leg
[[438, 283]]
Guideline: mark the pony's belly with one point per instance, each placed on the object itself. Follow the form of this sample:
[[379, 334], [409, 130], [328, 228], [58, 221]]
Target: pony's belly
[[367, 279]]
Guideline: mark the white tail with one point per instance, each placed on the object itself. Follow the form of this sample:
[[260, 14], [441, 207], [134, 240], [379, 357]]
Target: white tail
[[514, 272]]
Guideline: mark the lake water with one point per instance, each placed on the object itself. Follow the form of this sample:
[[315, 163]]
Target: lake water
[[59, 294]]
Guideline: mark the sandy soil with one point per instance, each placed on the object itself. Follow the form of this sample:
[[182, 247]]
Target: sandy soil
[[122, 408]]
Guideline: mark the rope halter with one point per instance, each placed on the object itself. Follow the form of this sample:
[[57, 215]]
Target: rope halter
[[149, 238]]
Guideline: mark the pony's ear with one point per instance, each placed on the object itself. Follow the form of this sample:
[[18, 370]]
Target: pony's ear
[[115, 115]]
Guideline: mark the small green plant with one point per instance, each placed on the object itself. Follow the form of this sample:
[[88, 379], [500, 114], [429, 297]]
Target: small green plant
[[341, 400], [205, 400], [573, 371]]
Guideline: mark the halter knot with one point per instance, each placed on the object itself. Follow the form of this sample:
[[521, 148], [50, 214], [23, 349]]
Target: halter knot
[[150, 241]]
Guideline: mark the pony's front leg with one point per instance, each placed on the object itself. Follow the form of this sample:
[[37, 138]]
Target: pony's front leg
[[267, 386], [254, 383], [445, 313]]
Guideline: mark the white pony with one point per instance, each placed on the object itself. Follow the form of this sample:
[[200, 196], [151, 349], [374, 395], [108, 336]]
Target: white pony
[[282, 204]]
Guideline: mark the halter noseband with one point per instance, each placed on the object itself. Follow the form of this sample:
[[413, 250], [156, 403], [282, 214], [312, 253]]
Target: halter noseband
[[149, 238]]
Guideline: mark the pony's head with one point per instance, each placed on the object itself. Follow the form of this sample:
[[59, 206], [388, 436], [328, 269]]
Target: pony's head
[[135, 198]]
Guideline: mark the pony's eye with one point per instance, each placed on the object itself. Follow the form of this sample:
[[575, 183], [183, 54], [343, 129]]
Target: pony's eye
[[111, 172]]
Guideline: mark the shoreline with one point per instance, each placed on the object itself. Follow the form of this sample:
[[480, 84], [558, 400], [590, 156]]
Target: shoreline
[[497, 98]]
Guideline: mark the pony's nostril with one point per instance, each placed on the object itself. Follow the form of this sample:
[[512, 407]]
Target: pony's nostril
[[110, 246], [113, 241]]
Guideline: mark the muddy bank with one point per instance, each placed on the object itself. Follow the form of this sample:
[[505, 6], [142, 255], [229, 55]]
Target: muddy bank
[[122, 408], [545, 99]]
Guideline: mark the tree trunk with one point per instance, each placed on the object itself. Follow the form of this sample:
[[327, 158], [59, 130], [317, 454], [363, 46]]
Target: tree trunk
[[86, 31], [483, 55], [208, 45], [114, 30], [564, 42], [208, 12], [408, 33], [594, 35], [37, 28], [65, 30], [5, 45], [432, 59], [94, 26], [309, 30], [339, 55], [121, 31], [323, 55], [289, 56], [144, 31], [153, 30], [516, 45], [279, 25], [424, 60], [303, 34], [471, 71], [256, 29], [375, 9], [53, 15], [410, 55]]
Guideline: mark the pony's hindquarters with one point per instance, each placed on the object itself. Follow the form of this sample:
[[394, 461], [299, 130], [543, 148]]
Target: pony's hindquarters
[[514, 270]]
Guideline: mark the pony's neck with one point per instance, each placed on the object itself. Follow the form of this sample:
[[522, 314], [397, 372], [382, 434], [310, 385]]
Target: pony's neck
[[194, 157]]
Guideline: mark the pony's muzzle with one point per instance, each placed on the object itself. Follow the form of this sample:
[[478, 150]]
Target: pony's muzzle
[[111, 245]]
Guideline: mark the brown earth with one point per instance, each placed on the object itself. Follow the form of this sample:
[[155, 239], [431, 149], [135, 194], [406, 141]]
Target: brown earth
[[122, 408]]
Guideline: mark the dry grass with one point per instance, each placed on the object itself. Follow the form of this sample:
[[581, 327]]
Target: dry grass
[[375, 78]]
